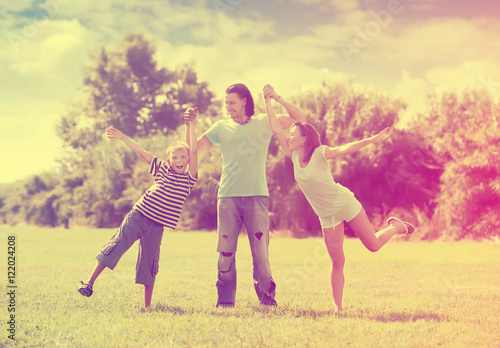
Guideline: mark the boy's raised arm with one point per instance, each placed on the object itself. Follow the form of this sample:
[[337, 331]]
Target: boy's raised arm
[[203, 143], [276, 127], [138, 149], [193, 149]]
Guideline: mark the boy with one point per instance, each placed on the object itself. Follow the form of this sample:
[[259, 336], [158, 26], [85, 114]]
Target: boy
[[160, 206]]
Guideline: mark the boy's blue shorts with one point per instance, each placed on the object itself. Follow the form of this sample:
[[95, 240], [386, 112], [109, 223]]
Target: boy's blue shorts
[[135, 226]]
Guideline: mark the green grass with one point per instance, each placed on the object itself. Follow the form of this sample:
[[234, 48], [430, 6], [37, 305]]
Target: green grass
[[406, 295]]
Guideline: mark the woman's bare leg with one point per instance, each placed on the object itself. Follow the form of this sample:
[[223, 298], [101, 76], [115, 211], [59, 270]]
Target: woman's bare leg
[[334, 240], [365, 232]]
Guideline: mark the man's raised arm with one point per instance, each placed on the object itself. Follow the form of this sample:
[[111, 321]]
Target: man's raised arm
[[295, 114], [203, 142]]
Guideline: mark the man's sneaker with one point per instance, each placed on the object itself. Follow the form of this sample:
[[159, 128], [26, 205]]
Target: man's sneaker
[[265, 299], [85, 289], [269, 302], [225, 305]]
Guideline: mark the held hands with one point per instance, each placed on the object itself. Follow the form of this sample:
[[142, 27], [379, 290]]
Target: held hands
[[376, 138], [190, 115], [114, 133], [269, 92]]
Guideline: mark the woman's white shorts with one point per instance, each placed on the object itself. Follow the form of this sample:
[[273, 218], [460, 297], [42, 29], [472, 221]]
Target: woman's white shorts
[[348, 212]]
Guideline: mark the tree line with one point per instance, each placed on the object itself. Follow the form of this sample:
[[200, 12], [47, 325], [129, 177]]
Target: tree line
[[441, 170]]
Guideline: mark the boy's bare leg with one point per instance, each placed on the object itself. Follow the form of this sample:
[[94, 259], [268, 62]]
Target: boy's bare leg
[[148, 294], [99, 267]]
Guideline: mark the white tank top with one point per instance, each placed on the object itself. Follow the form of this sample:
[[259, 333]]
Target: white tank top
[[316, 181]]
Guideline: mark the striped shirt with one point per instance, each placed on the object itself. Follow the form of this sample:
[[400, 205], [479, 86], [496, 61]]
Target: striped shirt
[[163, 201]]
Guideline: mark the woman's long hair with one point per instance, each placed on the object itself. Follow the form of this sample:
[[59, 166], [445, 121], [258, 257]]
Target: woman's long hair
[[312, 138], [243, 92]]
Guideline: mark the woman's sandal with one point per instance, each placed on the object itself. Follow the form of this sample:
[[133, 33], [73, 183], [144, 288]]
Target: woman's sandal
[[85, 289], [409, 228]]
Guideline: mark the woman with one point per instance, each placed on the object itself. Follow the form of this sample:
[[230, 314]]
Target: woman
[[332, 202]]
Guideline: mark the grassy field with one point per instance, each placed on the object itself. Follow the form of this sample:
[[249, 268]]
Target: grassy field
[[406, 295]]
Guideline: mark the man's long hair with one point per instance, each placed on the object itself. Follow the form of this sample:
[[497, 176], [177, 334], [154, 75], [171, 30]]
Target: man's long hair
[[243, 92]]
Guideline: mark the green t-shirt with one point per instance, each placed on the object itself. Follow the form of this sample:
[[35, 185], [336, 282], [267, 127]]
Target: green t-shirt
[[244, 152]]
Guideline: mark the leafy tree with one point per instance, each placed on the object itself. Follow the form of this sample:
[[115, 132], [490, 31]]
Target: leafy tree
[[398, 172], [29, 200], [125, 88], [288, 207], [464, 132], [14, 199], [41, 211]]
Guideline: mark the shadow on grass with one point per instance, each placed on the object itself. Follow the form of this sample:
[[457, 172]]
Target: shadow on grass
[[287, 311], [407, 317], [241, 311], [402, 317], [306, 313], [161, 308]]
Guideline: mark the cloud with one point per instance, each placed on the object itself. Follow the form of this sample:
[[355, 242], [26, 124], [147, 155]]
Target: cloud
[[434, 55], [409, 54], [289, 63], [15, 6], [59, 41], [439, 41], [339, 5], [37, 82], [481, 75], [49, 65], [29, 139], [115, 18], [484, 75], [290, 78], [213, 28], [414, 92]]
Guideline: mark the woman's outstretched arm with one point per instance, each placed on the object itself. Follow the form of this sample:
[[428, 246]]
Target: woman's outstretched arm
[[334, 152]]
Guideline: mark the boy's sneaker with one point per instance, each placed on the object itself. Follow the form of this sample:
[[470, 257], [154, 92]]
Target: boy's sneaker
[[85, 289]]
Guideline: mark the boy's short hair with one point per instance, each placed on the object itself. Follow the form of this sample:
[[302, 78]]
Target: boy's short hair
[[176, 145]]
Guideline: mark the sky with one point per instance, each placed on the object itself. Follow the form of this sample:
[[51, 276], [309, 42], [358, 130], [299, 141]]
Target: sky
[[405, 48]]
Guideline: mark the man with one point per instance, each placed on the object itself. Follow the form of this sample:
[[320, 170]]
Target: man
[[243, 196]]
